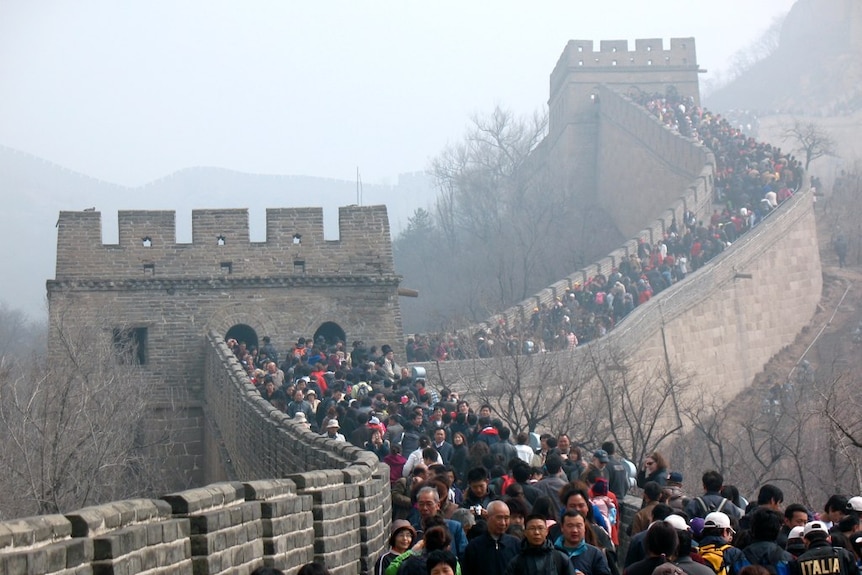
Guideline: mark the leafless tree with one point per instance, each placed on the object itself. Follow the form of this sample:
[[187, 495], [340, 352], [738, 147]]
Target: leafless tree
[[73, 425], [491, 222], [811, 140], [640, 400], [798, 435], [531, 391], [489, 198]]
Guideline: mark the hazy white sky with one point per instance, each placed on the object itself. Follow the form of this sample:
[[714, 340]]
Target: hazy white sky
[[128, 91]]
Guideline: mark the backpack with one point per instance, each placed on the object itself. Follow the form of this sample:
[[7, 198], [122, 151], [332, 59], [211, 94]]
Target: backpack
[[710, 507], [713, 557], [606, 507], [360, 390]]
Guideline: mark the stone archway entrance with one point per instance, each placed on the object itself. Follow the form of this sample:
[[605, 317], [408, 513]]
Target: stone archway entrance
[[243, 333], [331, 332]]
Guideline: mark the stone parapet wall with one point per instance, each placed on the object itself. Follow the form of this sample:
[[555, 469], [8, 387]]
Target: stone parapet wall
[[305, 498], [648, 171], [349, 487], [229, 528]]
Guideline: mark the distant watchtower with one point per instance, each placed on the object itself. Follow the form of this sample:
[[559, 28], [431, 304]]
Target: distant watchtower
[[163, 297], [573, 131]]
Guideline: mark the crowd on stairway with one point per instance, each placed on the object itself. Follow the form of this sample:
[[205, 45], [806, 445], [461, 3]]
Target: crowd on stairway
[[751, 180]]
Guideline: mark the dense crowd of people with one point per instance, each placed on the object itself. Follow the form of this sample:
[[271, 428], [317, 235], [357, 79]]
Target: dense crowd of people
[[751, 180], [469, 498]]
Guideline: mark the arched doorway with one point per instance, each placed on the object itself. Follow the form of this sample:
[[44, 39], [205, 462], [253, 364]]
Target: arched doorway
[[242, 333], [331, 332]]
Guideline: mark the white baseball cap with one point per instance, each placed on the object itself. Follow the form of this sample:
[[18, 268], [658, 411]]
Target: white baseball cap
[[718, 520]]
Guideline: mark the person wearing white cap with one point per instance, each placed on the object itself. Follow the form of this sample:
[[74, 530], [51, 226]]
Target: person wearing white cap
[[684, 547], [854, 505], [821, 558], [715, 547], [795, 543], [332, 430]]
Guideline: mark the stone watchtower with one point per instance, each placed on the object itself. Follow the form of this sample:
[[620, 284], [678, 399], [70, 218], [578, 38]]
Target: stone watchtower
[[573, 128], [164, 297]]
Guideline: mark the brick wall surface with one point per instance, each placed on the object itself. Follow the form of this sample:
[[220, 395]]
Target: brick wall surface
[[338, 517], [644, 168], [222, 236]]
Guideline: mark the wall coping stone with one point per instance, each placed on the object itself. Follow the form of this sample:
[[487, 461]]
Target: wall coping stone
[[265, 489], [102, 518], [317, 479], [206, 498], [27, 532]]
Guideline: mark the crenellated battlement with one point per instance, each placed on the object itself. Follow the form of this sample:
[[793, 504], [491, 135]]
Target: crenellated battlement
[[221, 245], [615, 63], [647, 52]]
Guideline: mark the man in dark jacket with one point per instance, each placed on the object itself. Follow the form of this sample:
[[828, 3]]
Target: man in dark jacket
[[538, 556], [821, 558], [491, 552], [712, 500], [504, 447], [618, 474], [553, 481], [268, 350], [300, 405], [427, 506], [479, 491], [443, 447], [521, 473], [765, 524]]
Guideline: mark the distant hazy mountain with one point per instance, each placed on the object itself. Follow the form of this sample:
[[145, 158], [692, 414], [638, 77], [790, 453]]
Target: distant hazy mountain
[[35, 191], [816, 69]]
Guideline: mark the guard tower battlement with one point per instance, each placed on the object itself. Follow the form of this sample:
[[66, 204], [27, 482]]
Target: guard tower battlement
[[220, 247], [648, 68]]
